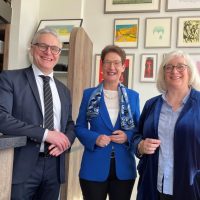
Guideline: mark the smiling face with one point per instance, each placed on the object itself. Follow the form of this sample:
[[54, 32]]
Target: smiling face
[[112, 68], [45, 60], [177, 79]]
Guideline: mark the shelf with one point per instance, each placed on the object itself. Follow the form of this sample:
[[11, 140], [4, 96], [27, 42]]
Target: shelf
[[60, 73]]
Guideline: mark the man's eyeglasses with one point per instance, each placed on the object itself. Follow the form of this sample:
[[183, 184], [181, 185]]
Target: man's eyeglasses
[[44, 47], [179, 67], [116, 63]]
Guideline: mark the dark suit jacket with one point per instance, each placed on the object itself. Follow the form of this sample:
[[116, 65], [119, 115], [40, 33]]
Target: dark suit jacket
[[21, 115], [186, 150], [95, 164]]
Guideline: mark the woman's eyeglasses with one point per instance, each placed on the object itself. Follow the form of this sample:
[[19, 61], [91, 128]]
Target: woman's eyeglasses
[[179, 67], [44, 47], [116, 63]]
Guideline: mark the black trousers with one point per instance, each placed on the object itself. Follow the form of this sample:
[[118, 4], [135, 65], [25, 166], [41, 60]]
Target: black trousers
[[43, 183], [113, 187]]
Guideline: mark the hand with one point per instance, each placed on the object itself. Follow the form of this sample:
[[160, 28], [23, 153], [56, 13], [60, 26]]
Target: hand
[[119, 137], [59, 139], [148, 146], [54, 150], [103, 140]]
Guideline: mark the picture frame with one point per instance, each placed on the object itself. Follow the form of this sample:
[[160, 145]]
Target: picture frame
[[188, 31], [196, 59], [180, 5], [126, 32], [63, 27], [158, 32], [148, 66], [127, 76], [131, 6]]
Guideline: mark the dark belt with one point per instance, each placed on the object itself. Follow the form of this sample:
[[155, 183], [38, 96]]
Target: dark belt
[[44, 155]]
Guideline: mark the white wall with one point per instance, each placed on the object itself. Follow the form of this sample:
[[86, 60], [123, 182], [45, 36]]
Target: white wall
[[99, 27], [24, 22]]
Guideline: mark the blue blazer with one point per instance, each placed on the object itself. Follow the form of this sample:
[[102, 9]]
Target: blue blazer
[[21, 115], [186, 150], [95, 163]]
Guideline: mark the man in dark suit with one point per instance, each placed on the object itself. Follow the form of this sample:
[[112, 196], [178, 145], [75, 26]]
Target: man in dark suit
[[39, 167]]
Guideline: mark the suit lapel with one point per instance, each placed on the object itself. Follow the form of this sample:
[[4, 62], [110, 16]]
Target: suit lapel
[[104, 114], [33, 85]]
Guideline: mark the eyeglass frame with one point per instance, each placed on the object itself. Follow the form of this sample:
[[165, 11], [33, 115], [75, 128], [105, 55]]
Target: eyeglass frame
[[179, 67], [116, 63], [47, 47]]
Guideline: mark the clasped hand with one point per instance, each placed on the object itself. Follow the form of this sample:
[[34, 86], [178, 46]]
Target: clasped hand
[[58, 142], [117, 136]]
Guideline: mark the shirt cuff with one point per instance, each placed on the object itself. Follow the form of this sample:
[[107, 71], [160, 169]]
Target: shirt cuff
[[45, 135]]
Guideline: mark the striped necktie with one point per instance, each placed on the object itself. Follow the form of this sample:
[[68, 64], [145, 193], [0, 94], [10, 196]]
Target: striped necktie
[[48, 103]]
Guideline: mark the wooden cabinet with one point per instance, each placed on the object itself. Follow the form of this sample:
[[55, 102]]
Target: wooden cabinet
[[4, 40]]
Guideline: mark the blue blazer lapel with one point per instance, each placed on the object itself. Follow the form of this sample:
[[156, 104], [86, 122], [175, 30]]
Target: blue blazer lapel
[[104, 114], [157, 111], [31, 79]]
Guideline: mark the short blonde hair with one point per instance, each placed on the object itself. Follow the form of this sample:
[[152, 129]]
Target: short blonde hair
[[194, 79]]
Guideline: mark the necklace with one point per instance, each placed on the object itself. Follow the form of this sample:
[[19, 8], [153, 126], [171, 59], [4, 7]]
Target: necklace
[[110, 94]]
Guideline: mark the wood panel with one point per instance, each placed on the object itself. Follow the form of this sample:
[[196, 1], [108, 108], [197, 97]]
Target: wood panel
[[6, 166], [79, 78]]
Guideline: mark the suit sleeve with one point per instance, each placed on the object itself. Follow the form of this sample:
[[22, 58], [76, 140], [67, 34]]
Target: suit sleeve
[[9, 124]]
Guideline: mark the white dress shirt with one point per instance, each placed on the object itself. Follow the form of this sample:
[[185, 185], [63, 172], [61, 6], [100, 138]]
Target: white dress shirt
[[56, 100]]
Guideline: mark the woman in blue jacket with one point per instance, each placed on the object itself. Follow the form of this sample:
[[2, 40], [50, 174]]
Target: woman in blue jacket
[[106, 123], [168, 142]]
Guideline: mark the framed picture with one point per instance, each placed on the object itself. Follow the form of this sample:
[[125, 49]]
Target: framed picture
[[196, 58], [188, 32], [131, 6], [148, 67], [63, 27], [181, 5], [158, 32], [127, 76], [126, 32]]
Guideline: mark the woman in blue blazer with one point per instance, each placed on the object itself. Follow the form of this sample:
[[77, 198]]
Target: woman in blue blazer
[[106, 123], [168, 142]]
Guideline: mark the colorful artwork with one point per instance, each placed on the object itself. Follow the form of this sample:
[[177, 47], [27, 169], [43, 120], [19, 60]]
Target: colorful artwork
[[62, 30], [126, 33], [148, 67], [148, 72]]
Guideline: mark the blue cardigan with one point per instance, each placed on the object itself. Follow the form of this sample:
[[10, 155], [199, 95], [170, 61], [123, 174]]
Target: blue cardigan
[[95, 163], [186, 150]]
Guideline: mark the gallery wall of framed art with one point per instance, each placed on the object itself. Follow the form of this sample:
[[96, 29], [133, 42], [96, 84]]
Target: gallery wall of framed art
[[151, 28]]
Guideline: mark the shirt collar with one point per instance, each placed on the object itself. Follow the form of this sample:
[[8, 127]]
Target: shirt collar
[[184, 99], [37, 72]]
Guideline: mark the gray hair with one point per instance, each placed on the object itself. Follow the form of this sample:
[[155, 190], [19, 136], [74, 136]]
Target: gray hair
[[194, 78], [46, 31]]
